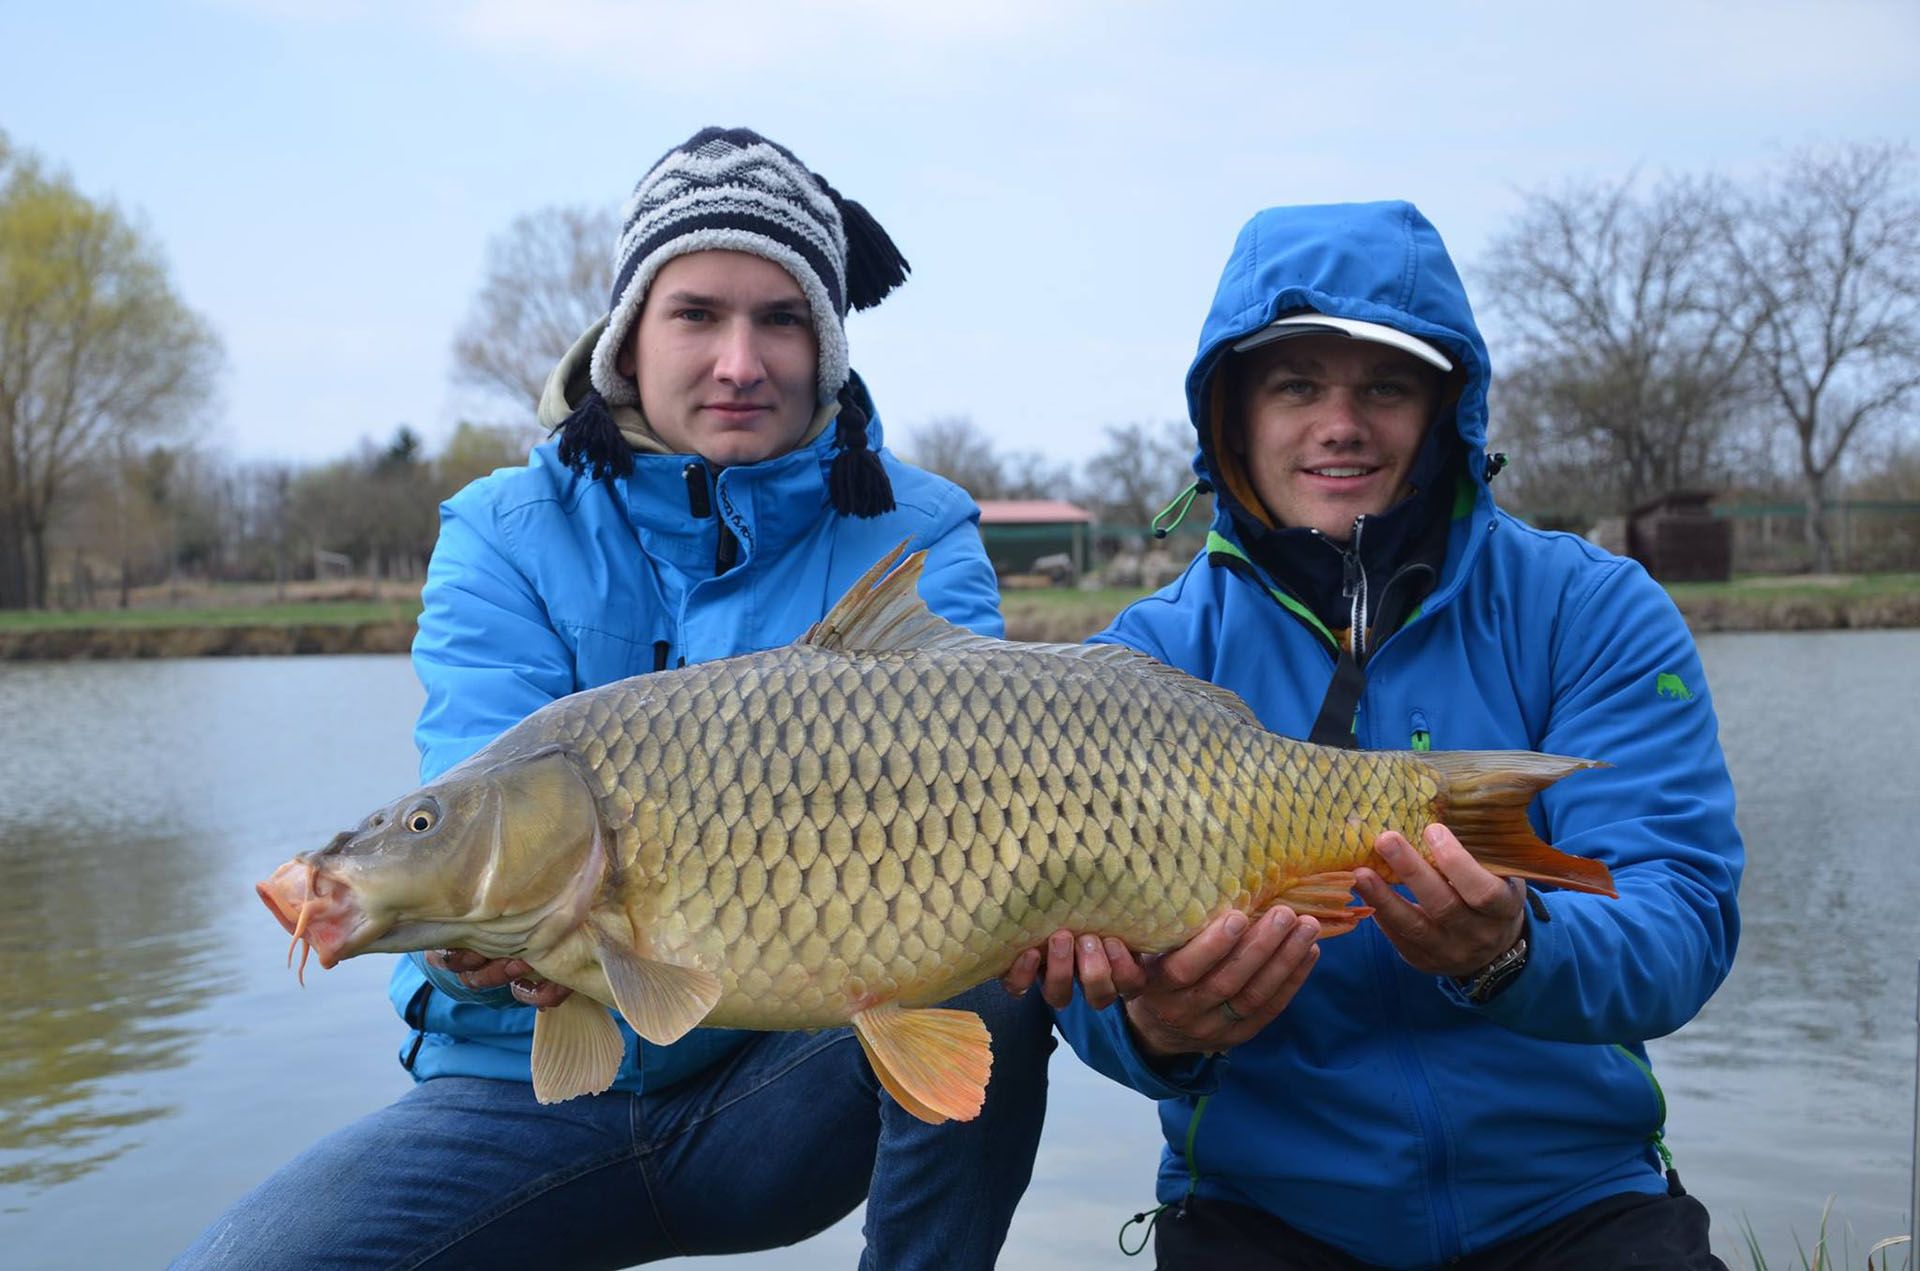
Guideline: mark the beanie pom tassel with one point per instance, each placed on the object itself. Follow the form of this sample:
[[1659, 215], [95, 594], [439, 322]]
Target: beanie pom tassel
[[590, 442], [874, 265], [857, 482]]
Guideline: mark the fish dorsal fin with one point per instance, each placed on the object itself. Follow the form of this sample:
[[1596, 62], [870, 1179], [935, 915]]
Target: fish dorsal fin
[[661, 1002], [883, 613], [576, 1050]]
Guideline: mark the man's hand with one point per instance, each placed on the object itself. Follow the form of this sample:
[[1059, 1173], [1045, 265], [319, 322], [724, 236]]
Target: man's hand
[[479, 972], [1212, 993], [1461, 917]]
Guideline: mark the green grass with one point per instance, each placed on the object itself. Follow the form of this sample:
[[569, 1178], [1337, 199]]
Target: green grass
[[1797, 587], [1895, 1253], [317, 613]]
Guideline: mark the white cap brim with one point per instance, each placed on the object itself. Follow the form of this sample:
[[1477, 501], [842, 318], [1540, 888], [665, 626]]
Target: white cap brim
[[1353, 328]]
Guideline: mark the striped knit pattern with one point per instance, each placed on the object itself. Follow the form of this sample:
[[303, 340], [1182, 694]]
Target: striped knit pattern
[[729, 190]]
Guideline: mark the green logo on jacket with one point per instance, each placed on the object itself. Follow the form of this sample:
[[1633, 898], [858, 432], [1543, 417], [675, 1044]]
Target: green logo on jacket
[[1670, 685]]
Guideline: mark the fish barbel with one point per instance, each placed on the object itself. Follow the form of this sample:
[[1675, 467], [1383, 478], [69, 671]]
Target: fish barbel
[[868, 821]]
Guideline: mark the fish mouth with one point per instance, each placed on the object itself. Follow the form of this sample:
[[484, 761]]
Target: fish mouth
[[319, 911]]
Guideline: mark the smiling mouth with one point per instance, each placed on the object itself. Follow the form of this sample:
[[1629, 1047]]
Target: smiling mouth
[[1342, 471]]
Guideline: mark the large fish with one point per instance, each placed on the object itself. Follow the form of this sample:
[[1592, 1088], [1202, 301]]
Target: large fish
[[868, 821]]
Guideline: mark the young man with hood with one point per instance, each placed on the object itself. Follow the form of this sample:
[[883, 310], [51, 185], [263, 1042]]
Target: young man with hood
[[1463, 1080], [717, 483]]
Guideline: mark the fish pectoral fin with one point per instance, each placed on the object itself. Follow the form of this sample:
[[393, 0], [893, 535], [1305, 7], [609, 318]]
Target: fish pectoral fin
[[577, 1050], [661, 1001], [1327, 898], [934, 1062]]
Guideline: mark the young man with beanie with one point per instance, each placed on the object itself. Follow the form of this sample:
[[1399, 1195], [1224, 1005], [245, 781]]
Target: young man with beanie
[[717, 482], [1463, 1080]]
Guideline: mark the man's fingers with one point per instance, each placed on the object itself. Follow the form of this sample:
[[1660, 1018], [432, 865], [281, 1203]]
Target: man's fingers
[[1129, 975], [1193, 961], [1057, 986], [1279, 976], [1020, 976], [1096, 973], [540, 993], [1478, 887]]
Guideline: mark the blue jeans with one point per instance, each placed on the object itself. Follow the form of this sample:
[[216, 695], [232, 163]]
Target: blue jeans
[[777, 1143]]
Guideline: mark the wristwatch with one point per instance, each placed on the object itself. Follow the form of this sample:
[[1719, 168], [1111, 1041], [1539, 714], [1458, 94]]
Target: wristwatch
[[1486, 984]]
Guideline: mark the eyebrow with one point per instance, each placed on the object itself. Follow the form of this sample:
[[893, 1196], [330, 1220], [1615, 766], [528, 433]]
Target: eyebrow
[[697, 300]]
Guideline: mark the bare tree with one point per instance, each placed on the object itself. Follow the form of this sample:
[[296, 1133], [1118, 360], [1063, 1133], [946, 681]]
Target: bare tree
[[956, 448], [548, 278], [1139, 470], [1623, 333], [94, 347], [1832, 249]]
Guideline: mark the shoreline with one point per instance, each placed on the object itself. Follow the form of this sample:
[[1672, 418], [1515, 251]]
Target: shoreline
[[1027, 619]]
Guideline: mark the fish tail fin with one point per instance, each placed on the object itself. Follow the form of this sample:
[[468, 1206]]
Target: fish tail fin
[[934, 1062], [1485, 805]]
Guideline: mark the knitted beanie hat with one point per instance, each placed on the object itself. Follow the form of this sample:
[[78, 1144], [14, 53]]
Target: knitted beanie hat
[[731, 189]]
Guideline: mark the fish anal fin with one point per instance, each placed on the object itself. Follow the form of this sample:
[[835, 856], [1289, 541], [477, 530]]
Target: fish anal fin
[[1485, 805], [934, 1062], [1327, 898], [661, 1001], [576, 1050]]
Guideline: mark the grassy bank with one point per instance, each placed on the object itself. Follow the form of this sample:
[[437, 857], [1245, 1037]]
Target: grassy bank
[[385, 624], [1795, 603]]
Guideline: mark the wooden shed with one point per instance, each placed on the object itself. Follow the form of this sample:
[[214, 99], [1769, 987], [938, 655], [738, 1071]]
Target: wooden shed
[[1679, 539], [1028, 537]]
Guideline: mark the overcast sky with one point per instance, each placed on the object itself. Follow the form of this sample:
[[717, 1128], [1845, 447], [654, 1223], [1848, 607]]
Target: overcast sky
[[1065, 177]]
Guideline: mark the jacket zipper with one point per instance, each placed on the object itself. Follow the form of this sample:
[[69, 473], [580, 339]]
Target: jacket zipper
[[726, 553]]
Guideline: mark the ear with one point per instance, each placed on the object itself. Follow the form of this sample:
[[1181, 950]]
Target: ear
[[624, 361]]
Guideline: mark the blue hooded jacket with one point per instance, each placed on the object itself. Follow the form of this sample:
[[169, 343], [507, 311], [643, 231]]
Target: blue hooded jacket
[[1383, 1112], [544, 583]]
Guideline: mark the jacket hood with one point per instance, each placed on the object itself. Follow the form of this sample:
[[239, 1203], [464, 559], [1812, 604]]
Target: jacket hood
[[1377, 262]]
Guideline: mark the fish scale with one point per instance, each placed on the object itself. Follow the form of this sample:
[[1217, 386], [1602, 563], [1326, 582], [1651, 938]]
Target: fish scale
[[869, 821]]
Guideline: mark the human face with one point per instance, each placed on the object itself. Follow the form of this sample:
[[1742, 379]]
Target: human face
[[1329, 427], [725, 357]]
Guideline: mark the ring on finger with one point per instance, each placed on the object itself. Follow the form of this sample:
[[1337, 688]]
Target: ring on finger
[[1233, 1016]]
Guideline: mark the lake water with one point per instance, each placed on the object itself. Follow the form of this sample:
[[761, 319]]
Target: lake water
[[157, 1058]]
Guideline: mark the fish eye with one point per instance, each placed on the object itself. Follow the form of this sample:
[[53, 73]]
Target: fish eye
[[422, 817]]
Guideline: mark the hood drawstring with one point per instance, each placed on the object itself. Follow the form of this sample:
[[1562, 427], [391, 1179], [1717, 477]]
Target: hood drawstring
[[590, 442], [1178, 509], [1496, 463]]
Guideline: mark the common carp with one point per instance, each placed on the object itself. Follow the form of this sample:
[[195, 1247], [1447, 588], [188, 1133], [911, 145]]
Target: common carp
[[868, 821]]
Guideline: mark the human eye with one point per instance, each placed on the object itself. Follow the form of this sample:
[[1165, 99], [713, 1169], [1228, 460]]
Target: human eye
[[785, 318], [1389, 390], [1291, 386], [692, 313]]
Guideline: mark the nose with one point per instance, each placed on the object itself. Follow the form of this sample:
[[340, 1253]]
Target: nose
[[1342, 421], [738, 362]]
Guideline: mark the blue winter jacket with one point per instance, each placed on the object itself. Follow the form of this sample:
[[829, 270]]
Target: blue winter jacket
[[544, 583], [1382, 1112]]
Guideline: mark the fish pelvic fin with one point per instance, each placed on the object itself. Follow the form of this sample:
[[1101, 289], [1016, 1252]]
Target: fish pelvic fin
[[1327, 898], [576, 1050], [1485, 805], [933, 1061], [661, 1001]]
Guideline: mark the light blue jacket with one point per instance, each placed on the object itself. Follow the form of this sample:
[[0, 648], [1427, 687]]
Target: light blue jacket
[[544, 583], [1382, 1112]]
